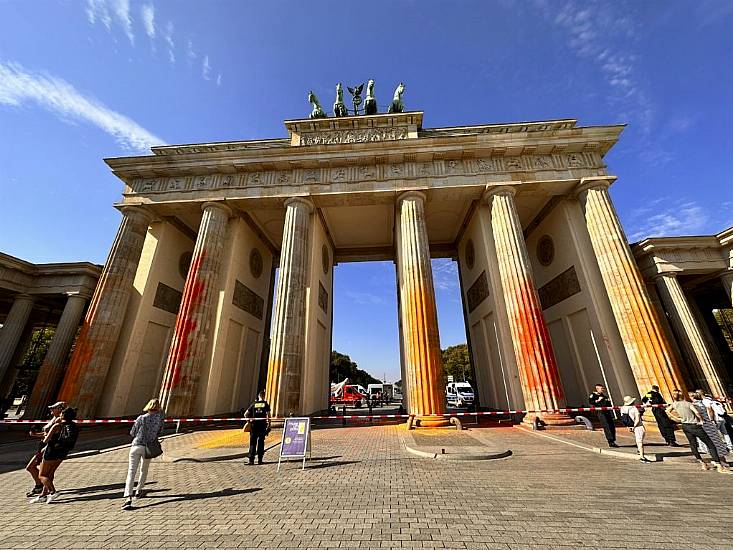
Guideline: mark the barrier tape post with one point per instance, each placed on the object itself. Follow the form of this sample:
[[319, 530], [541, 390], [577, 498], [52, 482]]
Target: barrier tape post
[[178, 425]]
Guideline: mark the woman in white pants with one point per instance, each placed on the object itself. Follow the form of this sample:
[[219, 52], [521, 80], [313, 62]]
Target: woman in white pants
[[145, 430], [637, 428]]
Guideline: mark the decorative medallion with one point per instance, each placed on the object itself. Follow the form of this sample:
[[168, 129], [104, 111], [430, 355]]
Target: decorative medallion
[[184, 262], [325, 259], [255, 263], [470, 254], [545, 250]]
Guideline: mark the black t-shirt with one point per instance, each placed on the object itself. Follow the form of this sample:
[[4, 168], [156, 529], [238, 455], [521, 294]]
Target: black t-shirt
[[61, 442], [653, 398], [258, 410], [599, 400]]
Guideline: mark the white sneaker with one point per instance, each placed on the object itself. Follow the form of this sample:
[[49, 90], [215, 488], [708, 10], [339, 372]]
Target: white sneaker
[[38, 499], [50, 497]]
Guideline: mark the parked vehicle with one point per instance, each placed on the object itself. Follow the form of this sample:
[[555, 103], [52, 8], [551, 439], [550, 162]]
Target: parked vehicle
[[397, 394], [459, 394], [347, 394], [382, 393]]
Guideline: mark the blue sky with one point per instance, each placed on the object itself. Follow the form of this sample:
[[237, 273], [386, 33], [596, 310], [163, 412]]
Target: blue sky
[[82, 80]]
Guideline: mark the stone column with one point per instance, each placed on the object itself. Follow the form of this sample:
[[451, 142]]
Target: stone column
[[538, 373], [12, 330], [90, 362], [423, 363], [727, 280], [191, 338], [287, 347], [51, 372], [650, 356], [688, 333]]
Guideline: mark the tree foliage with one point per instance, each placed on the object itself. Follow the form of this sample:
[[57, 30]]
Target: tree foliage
[[456, 362], [343, 367]]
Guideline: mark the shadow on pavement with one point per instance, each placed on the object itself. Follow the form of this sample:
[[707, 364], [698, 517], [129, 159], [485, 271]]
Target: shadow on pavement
[[331, 464], [116, 495], [170, 499]]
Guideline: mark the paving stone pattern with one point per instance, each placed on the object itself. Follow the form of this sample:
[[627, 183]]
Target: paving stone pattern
[[362, 490]]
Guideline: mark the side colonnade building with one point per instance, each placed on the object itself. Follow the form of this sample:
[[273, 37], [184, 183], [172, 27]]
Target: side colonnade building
[[553, 299]]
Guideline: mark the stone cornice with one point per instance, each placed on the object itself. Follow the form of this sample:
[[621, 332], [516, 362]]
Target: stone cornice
[[28, 268], [541, 138]]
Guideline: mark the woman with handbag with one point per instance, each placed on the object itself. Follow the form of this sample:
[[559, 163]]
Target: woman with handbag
[[145, 446]]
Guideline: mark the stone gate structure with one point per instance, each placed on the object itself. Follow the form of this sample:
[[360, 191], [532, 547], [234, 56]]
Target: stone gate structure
[[553, 299]]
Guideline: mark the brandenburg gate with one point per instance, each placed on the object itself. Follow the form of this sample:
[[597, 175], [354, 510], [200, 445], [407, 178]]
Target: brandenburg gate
[[553, 299]]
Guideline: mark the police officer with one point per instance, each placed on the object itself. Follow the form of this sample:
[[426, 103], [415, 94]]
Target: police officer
[[666, 426], [599, 399], [259, 415]]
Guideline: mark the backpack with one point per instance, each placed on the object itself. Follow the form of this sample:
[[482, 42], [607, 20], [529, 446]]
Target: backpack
[[67, 436], [626, 420]]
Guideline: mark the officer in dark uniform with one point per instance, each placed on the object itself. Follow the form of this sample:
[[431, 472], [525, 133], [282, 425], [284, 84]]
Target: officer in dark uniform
[[599, 399], [666, 426], [259, 415]]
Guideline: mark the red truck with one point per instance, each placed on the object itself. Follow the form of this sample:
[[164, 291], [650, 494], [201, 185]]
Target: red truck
[[345, 394]]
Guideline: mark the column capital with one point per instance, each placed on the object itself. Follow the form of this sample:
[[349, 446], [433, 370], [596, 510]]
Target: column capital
[[81, 294], [493, 190], [303, 201], [595, 182], [137, 213], [24, 296], [664, 275], [407, 195], [218, 205]]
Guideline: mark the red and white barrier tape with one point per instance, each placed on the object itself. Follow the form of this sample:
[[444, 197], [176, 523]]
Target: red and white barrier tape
[[341, 417]]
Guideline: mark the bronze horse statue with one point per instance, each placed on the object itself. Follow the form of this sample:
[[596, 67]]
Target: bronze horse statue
[[370, 103], [397, 106], [339, 108], [317, 111]]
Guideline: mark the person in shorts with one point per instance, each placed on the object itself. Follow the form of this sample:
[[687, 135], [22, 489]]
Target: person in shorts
[[637, 428], [59, 442], [35, 462]]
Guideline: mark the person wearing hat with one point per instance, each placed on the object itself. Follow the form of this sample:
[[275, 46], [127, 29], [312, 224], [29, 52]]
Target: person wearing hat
[[666, 426], [59, 442], [635, 424], [35, 462]]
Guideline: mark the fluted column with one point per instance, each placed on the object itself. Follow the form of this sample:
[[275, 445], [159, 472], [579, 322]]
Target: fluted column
[[49, 376], [90, 362], [688, 334], [287, 347], [192, 335], [650, 356], [423, 363], [727, 280], [13, 328], [538, 372]]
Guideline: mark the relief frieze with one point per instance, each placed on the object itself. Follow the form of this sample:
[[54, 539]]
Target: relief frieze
[[354, 136], [560, 288], [248, 300], [477, 292], [361, 173]]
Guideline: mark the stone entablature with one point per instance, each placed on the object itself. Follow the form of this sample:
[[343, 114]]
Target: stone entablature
[[572, 166], [692, 255], [55, 278]]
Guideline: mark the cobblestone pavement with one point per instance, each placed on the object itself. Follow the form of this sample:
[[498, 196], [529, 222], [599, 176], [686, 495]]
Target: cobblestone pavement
[[362, 490]]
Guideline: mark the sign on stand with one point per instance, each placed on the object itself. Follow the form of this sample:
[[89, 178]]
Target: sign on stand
[[296, 441]]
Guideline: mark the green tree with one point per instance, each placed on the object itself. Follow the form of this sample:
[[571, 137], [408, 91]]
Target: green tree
[[456, 362], [343, 367]]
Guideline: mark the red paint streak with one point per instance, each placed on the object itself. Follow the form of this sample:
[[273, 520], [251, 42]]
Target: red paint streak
[[80, 359], [185, 325]]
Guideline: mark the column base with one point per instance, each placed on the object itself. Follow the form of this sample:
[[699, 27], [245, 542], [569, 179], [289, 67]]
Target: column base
[[550, 420], [431, 421]]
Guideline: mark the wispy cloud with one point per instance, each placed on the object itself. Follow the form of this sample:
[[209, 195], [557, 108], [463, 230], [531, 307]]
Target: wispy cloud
[[445, 274], [665, 217], [168, 37], [115, 14], [190, 52], [19, 86], [147, 14], [206, 68], [365, 298]]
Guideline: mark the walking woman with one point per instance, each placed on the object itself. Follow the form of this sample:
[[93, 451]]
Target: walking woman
[[59, 442], [35, 462], [145, 431]]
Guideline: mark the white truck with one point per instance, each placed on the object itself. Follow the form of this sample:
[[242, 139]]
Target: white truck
[[459, 394], [382, 393]]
